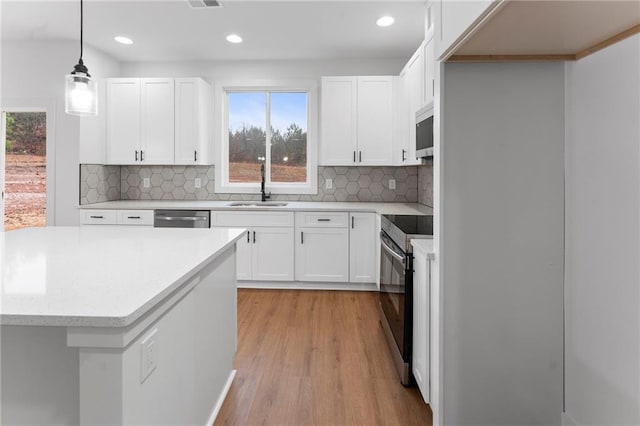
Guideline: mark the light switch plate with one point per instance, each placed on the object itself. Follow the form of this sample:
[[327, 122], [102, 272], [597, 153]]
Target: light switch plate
[[146, 182], [328, 184], [392, 184], [198, 183], [148, 354]]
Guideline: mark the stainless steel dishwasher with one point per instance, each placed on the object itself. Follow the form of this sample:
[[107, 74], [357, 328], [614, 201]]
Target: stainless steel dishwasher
[[181, 219]]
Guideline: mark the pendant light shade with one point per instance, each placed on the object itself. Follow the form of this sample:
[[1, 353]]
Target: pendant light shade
[[81, 91]]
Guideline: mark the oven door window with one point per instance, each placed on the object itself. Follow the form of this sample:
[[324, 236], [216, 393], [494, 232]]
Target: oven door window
[[392, 289]]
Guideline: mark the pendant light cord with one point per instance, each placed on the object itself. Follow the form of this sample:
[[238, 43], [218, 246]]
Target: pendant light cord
[[81, 28]]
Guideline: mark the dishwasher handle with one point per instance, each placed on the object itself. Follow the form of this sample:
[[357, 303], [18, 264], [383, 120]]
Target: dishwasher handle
[[185, 218]]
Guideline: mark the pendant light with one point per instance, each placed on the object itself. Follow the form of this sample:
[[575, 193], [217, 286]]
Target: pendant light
[[81, 91]]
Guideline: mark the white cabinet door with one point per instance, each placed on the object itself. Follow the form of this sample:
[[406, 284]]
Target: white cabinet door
[[272, 254], [421, 277], [123, 120], [322, 254], [429, 71], [158, 105], [375, 120], [362, 248], [244, 262], [338, 121], [192, 121], [415, 73]]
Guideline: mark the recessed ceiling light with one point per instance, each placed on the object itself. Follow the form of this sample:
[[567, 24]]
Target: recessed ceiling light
[[234, 38], [123, 40], [385, 21]]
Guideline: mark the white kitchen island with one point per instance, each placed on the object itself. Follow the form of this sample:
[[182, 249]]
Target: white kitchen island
[[117, 325]]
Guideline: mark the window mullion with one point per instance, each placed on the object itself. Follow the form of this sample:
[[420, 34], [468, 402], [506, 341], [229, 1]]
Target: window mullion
[[268, 141]]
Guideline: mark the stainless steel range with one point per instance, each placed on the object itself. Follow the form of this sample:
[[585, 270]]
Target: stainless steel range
[[396, 284]]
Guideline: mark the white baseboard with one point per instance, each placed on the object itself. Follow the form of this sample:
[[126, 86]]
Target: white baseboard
[[567, 420], [221, 397], [301, 285]]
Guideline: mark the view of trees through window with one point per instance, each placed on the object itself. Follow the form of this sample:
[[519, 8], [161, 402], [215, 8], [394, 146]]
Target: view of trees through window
[[250, 114], [25, 170]]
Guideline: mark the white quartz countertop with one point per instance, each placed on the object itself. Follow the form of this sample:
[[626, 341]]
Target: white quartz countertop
[[381, 208], [99, 276]]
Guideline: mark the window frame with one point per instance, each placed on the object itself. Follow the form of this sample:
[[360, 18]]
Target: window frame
[[222, 184]]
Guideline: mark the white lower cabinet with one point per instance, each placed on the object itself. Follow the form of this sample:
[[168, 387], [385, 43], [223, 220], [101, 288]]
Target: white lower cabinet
[[116, 217], [421, 331], [267, 251], [322, 254], [363, 245]]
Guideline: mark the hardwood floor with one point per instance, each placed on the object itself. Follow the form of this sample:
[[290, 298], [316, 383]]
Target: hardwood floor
[[315, 358]]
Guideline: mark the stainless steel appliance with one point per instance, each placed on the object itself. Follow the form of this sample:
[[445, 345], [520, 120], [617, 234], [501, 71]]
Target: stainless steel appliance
[[424, 132], [396, 284], [182, 218]]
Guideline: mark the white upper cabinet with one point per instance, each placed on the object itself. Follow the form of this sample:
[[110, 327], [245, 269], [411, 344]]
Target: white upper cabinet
[[429, 71], [158, 121], [192, 121], [338, 142], [375, 120], [357, 121], [123, 122]]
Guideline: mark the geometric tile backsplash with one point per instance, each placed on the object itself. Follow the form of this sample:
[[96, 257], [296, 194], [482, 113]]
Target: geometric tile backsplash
[[178, 183]]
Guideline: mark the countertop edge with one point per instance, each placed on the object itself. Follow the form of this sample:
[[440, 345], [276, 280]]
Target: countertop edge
[[117, 321]]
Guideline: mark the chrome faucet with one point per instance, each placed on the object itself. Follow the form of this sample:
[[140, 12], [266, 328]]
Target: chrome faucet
[[265, 196]]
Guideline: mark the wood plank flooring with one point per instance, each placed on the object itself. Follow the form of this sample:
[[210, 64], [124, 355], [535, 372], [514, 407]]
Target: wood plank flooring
[[315, 358]]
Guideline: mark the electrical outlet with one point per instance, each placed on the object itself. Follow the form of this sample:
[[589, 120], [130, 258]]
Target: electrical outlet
[[198, 183], [146, 182], [328, 184], [148, 355], [392, 184]]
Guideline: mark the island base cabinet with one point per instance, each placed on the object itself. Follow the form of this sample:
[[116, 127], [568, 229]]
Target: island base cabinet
[[172, 366]]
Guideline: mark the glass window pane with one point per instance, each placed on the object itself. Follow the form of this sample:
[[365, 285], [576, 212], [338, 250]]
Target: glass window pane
[[247, 135], [288, 137]]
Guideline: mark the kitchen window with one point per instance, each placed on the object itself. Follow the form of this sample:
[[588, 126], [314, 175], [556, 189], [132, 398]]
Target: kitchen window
[[272, 126]]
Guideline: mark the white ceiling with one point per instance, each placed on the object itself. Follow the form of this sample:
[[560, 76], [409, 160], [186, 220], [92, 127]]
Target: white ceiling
[[171, 30]]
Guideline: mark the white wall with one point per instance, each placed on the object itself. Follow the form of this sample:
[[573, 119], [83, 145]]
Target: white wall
[[300, 69], [603, 237], [501, 263], [33, 72]]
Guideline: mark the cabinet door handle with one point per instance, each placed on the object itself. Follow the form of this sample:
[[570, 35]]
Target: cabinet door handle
[[248, 237], [254, 237], [360, 157], [352, 222], [136, 155], [96, 217], [301, 237], [141, 156], [354, 156], [433, 87], [324, 220], [195, 156], [404, 155]]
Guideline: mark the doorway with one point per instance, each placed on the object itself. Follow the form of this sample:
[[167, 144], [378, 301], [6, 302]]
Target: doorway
[[25, 169]]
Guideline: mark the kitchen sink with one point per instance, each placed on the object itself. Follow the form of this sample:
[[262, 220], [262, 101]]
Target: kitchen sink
[[257, 204]]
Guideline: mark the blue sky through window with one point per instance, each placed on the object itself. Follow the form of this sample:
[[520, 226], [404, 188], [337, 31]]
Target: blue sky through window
[[249, 108]]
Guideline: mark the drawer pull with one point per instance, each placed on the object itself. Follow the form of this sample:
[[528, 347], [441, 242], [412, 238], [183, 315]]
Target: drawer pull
[[324, 220], [134, 217], [96, 217]]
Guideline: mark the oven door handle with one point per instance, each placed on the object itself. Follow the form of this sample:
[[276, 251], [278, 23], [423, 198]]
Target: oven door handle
[[391, 251]]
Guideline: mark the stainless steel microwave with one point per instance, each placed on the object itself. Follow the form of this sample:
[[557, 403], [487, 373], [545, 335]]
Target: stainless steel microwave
[[424, 132]]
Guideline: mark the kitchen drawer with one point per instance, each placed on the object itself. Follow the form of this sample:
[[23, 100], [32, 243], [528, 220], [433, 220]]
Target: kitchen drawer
[[322, 219], [243, 219], [135, 217], [98, 217]]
